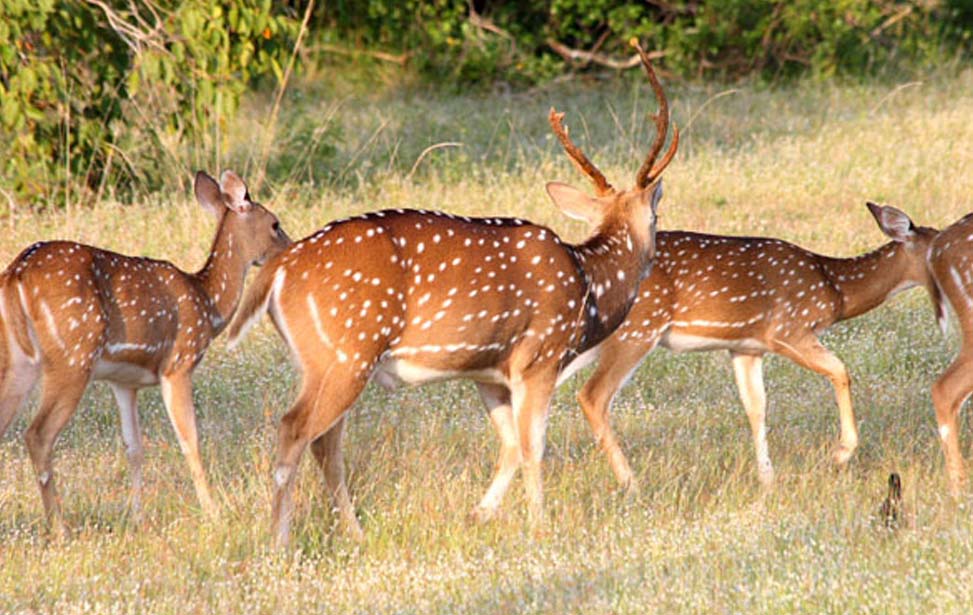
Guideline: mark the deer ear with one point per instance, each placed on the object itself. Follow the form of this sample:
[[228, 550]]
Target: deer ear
[[235, 192], [656, 196], [574, 203], [208, 194], [893, 222]]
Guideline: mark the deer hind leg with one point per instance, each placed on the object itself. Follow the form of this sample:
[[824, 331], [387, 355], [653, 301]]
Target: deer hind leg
[[16, 380], [497, 400], [948, 394], [132, 436], [58, 403], [327, 452], [325, 397], [748, 371], [531, 400], [811, 354], [618, 362], [177, 394]]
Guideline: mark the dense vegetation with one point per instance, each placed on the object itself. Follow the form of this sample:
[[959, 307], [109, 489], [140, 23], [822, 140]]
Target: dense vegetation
[[122, 97]]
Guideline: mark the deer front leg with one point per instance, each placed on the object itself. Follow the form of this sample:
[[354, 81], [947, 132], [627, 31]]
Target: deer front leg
[[748, 370], [948, 394], [618, 361], [497, 400], [177, 394], [125, 397]]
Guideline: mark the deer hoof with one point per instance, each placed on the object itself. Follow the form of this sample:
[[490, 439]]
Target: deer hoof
[[481, 515], [842, 454]]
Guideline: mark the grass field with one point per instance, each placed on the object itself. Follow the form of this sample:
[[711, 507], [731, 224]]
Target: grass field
[[796, 163]]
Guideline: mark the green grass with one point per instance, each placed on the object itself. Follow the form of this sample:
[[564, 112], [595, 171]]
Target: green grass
[[700, 537]]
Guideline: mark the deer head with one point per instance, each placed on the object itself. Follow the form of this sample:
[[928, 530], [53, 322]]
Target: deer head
[[609, 206], [229, 201]]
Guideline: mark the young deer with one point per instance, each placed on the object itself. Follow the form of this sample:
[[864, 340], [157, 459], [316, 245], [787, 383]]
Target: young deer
[[500, 301], [950, 263], [752, 296], [73, 313]]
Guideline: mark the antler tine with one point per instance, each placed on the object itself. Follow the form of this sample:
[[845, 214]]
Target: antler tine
[[581, 161], [649, 171]]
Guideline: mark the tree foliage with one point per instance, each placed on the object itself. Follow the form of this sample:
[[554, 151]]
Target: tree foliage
[[99, 93], [463, 41]]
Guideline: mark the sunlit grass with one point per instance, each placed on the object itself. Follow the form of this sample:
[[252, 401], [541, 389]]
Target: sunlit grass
[[700, 536]]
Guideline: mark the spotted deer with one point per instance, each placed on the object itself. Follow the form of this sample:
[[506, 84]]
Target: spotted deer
[[753, 296], [73, 313], [951, 263], [414, 296]]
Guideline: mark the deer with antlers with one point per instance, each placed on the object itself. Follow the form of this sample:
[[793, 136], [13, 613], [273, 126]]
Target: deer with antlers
[[72, 313], [950, 263], [753, 296], [500, 301]]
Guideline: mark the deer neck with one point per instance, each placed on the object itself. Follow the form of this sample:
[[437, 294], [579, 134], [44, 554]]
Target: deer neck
[[611, 266], [866, 281], [222, 277]]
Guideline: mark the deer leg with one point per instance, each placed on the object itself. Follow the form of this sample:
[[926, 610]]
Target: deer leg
[[59, 402], [948, 394], [327, 452], [617, 364], [132, 436], [322, 403], [17, 380], [812, 355], [531, 400], [497, 400], [177, 393], [748, 370]]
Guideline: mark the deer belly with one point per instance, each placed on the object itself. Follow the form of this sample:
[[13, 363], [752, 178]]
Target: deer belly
[[121, 372], [393, 372], [678, 340]]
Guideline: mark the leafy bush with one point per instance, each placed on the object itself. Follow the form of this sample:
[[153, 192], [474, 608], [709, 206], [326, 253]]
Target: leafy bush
[[108, 94], [510, 40]]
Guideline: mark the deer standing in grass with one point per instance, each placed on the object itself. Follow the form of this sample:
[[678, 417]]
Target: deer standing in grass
[[417, 296], [951, 262], [73, 313], [753, 296]]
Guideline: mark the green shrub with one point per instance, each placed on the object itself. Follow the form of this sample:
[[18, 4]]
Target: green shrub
[[114, 95], [723, 38]]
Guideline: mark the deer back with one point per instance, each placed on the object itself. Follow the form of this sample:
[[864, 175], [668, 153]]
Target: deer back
[[89, 305], [453, 293]]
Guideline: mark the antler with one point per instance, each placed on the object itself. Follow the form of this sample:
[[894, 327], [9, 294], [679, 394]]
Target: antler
[[649, 173], [602, 187]]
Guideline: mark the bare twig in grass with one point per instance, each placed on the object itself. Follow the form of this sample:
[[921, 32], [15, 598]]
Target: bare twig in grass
[[428, 150], [705, 104], [275, 110], [888, 96], [362, 149]]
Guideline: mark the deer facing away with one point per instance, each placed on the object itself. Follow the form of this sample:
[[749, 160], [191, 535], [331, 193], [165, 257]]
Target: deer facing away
[[752, 296], [501, 301], [73, 313]]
